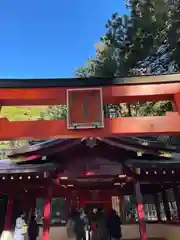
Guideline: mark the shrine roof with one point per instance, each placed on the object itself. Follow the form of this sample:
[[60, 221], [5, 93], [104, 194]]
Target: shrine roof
[[38, 146], [154, 166], [11, 168], [85, 82], [133, 144]]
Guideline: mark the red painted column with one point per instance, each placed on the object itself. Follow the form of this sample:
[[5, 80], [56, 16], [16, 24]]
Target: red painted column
[[47, 216], [8, 218], [140, 211], [108, 207]]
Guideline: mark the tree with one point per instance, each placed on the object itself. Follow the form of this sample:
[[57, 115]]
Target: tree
[[135, 45], [174, 34], [83, 72], [54, 113]]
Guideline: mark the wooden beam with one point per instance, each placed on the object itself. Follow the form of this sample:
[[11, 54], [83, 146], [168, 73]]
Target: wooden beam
[[87, 82], [111, 94], [41, 129]]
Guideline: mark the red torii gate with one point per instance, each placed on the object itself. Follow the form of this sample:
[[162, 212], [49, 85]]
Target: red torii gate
[[139, 89], [85, 99]]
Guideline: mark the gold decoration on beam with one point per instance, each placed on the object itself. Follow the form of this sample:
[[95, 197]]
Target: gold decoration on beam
[[139, 154], [138, 170], [165, 154]]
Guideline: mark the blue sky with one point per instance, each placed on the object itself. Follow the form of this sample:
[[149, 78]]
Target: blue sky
[[43, 38]]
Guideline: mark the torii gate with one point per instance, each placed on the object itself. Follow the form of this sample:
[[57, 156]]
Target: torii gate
[[85, 118], [85, 99]]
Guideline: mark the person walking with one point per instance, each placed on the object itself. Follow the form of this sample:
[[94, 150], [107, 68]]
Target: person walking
[[114, 226], [79, 227], [100, 220]]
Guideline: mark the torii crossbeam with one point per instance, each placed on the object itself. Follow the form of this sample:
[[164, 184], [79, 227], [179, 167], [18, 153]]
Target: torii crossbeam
[[85, 99]]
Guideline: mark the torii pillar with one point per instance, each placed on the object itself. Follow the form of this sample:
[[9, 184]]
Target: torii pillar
[[140, 212], [47, 215]]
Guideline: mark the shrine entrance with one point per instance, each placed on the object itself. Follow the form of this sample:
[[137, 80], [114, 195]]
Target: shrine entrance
[[92, 207], [95, 199]]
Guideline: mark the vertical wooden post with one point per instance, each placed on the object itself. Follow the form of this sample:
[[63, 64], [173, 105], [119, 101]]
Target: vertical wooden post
[[140, 211], [122, 210], [177, 199], [158, 208], [47, 215], [166, 204], [68, 203], [74, 199]]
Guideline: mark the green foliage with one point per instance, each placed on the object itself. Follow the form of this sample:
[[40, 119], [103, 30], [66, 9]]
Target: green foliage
[[22, 113], [83, 72], [54, 113], [174, 33], [137, 44]]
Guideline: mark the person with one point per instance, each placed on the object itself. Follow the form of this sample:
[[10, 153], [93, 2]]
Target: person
[[100, 221], [79, 225], [86, 219], [33, 230], [20, 228], [114, 225]]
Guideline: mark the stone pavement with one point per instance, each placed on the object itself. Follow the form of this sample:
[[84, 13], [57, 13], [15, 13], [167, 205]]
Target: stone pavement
[[59, 233]]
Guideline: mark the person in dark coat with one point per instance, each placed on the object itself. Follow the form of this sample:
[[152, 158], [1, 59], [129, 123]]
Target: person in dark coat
[[79, 227], [114, 226], [33, 230], [100, 220]]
